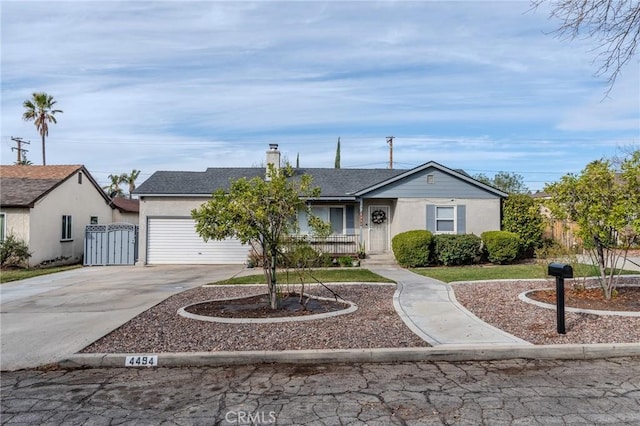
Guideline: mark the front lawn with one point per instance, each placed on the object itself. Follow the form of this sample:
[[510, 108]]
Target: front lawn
[[322, 275], [22, 274], [498, 272]]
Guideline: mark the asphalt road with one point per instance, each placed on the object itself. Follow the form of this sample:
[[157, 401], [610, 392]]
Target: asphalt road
[[47, 318], [514, 392]]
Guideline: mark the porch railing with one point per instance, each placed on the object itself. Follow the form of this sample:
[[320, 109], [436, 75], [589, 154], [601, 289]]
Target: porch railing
[[345, 245]]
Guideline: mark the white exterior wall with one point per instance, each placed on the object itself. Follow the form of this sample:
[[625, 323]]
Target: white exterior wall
[[81, 201], [17, 223], [125, 217], [410, 213], [177, 207]]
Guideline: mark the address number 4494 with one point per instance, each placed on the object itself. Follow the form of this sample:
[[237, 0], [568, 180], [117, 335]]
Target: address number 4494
[[141, 361]]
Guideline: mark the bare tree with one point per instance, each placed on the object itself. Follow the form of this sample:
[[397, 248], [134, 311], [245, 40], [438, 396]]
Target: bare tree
[[614, 24]]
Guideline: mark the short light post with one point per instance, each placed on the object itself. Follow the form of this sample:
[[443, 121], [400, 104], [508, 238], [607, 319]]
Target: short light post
[[560, 271]]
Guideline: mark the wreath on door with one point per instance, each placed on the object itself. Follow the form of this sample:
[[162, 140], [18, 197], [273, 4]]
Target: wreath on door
[[378, 216]]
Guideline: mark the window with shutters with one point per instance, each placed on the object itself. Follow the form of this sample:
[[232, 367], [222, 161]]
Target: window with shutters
[[335, 215], [446, 219]]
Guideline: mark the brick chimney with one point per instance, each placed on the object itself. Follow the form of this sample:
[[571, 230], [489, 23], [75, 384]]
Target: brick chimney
[[273, 157]]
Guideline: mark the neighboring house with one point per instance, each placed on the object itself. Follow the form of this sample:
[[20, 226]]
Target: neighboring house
[[48, 207], [364, 206], [127, 210]]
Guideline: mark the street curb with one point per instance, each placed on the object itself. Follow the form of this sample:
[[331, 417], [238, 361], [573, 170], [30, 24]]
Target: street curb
[[451, 353]]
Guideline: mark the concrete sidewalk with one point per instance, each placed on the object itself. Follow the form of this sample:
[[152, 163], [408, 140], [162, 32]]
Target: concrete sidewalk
[[632, 263], [430, 309]]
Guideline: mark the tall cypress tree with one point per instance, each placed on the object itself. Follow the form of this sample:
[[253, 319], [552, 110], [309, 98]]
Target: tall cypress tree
[[337, 162]]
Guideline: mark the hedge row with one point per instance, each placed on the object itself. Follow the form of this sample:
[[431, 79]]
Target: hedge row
[[421, 248]]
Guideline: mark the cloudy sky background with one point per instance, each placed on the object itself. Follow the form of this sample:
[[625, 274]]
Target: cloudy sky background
[[168, 85]]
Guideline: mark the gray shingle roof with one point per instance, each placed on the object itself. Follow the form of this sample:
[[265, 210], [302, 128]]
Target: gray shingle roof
[[332, 182], [23, 192]]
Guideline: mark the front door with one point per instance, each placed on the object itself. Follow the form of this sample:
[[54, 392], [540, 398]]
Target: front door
[[378, 229]]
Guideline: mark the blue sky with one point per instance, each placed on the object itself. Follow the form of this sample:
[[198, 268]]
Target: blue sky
[[169, 85]]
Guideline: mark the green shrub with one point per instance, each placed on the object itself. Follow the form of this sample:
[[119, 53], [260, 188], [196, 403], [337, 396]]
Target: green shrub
[[501, 246], [464, 249], [521, 215], [345, 261], [412, 248], [13, 252], [300, 255]]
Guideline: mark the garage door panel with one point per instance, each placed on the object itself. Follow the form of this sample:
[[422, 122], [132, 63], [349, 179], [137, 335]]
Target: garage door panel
[[175, 241]]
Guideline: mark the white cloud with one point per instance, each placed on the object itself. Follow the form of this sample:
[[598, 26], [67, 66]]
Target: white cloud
[[189, 85]]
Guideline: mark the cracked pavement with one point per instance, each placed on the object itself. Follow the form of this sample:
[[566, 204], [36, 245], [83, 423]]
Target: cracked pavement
[[511, 392]]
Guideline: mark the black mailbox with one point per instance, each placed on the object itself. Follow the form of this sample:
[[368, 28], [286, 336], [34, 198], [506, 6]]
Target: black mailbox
[[560, 270]]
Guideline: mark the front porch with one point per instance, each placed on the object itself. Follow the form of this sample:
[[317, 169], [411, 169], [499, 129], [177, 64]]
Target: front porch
[[337, 245]]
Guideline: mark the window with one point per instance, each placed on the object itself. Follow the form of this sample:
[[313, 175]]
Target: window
[[66, 227], [80, 178], [445, 219], [431, 179], [94, 220], [333, 215], [2, 220]]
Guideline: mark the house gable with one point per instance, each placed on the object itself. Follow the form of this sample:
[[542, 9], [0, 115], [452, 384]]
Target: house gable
[[24, 186], [432, 180]]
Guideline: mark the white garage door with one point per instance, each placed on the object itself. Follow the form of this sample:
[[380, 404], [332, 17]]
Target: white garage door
[[175, 241]]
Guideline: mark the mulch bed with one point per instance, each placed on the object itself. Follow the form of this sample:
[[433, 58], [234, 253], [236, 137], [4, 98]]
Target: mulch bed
[[258, 307], [627, 298]]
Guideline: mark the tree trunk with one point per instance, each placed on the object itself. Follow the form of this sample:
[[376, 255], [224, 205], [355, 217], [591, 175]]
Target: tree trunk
[[274, 301], [44, 157], [602, 266]]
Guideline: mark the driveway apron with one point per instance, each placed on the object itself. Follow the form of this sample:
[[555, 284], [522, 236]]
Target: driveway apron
[[48, 318]]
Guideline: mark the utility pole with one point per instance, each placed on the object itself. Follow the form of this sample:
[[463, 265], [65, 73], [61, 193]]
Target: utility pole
[[19, 148], [390, 142]]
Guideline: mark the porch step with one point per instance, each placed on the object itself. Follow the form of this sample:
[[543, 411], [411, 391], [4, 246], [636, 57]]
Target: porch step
[[382, 259]]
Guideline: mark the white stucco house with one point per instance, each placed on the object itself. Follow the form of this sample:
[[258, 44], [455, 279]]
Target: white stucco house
[[364, 206], [49, 206]]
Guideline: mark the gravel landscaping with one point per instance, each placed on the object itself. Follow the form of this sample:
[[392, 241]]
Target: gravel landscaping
[[497, 303], [374, 325]]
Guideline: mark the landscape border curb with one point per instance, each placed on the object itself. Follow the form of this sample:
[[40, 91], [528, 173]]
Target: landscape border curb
[[450, 353]]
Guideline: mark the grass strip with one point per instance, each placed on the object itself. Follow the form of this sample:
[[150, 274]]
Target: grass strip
[[9, 275], [500, 272], [322, 275]]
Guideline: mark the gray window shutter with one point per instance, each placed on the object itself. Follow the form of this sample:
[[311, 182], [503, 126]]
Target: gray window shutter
[[431, 217], [350, 213], [462, 219]]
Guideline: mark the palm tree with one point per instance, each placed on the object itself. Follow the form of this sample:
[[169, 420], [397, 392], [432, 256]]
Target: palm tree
[[113, 189], [131, 180], [39, 109]]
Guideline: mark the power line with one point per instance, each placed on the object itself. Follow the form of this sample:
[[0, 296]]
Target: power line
[[19, 148]]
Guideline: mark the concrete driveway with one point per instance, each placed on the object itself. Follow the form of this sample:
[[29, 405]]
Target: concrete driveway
[[48, 318]]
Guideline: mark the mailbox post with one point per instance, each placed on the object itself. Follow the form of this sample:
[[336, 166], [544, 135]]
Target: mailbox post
[[560, 271]]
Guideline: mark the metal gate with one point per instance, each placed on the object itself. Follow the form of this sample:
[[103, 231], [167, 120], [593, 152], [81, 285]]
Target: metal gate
[[113, 244]]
